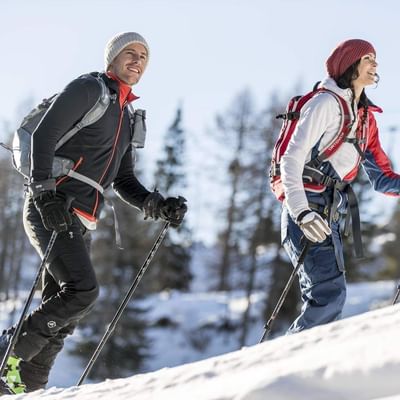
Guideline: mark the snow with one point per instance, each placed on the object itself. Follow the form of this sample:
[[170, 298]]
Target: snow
[[195, 317], [355, 358]]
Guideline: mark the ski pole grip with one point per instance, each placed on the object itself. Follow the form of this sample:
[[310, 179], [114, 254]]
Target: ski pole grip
[[181, 200]]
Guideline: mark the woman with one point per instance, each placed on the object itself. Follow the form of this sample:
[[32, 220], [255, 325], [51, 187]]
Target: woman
[[314, 210]]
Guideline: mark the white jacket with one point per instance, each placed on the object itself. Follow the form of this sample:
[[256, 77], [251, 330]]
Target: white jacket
[[319, 117]]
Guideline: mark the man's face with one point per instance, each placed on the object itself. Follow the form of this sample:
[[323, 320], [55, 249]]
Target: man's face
[[130, 64]]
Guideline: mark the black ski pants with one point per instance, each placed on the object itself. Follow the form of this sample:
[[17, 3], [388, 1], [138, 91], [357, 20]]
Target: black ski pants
[[68, 293]]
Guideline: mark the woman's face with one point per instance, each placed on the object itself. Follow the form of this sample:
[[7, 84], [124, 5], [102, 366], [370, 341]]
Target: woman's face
[[366, 71]]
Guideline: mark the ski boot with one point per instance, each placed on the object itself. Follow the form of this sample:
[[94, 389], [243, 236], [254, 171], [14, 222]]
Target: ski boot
[[10, 382]]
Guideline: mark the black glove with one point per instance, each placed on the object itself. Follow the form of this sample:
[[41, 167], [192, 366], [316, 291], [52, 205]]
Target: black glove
[[173, 210], [52, 208], [151, 205]]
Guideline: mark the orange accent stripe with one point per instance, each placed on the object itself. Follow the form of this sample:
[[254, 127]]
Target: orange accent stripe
[[85, 215], [111, 157]]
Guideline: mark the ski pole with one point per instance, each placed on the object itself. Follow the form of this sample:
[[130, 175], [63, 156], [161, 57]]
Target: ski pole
[[396, 297], [124, 303], [28, 302], [268, 325]]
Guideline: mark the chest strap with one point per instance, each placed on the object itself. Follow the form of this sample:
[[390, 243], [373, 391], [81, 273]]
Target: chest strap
[[356, 143], [76, 175], [63, 166]]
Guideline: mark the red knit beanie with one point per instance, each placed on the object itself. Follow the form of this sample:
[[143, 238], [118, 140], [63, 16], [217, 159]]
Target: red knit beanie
[[346, 54]]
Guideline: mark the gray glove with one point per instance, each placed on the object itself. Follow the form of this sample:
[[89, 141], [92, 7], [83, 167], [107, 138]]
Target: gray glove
[[314, 227]]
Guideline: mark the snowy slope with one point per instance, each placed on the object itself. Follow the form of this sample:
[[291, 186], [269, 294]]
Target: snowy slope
[[192, 336], [357, 358]]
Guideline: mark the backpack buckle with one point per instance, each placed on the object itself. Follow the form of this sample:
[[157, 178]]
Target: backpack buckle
[[327, 181]]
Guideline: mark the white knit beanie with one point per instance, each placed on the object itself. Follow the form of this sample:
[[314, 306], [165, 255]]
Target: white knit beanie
[[118, 43]]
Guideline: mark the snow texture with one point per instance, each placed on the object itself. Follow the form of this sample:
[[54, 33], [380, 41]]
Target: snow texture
[[356, 358]]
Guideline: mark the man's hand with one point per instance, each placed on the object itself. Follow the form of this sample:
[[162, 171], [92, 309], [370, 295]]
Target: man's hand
[[53, 211], [173, 210], [152, 205], [314, 227]]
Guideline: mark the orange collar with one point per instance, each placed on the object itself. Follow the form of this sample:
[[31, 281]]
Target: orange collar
[[125, 91]]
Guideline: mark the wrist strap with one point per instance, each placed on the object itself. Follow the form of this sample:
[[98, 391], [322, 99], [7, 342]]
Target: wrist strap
[[35, 188], [302, 215]]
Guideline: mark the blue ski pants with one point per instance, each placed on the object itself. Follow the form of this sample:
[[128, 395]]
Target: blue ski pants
[[321, 277]]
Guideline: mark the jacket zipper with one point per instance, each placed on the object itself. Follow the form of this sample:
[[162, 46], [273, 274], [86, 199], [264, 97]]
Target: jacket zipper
[[111, 156]]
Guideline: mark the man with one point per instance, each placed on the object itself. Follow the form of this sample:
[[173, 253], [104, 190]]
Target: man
[[102, 153]]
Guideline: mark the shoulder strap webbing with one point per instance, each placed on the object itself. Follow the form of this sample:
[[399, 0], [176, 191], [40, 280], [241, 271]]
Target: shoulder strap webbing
[[93, 115], [85, 179], [346, 124], [293, 109]]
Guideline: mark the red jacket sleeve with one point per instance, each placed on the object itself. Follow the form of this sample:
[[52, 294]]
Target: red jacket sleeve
[[377, 164]]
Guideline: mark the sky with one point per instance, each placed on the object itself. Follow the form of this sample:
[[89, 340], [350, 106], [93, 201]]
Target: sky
[[356, 358], [203, 54]]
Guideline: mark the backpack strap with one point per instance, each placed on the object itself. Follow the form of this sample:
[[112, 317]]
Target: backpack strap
[[360, 141], [290, 120], [63, 166], [85, 179], [330, 211], [7, 147], [93, 115], [346, 124]]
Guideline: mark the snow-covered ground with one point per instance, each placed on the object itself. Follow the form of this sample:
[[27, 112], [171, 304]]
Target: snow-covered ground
[[357, 358], [192, 336]]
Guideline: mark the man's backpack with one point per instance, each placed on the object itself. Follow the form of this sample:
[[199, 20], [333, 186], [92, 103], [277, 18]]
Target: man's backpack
[[290, 120], [21, 145]]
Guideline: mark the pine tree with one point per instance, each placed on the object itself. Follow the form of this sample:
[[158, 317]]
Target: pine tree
[[262, 216], [233, 132], [250, 250], [171, 268], [14, 245], [388, 264], [391, 250]]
